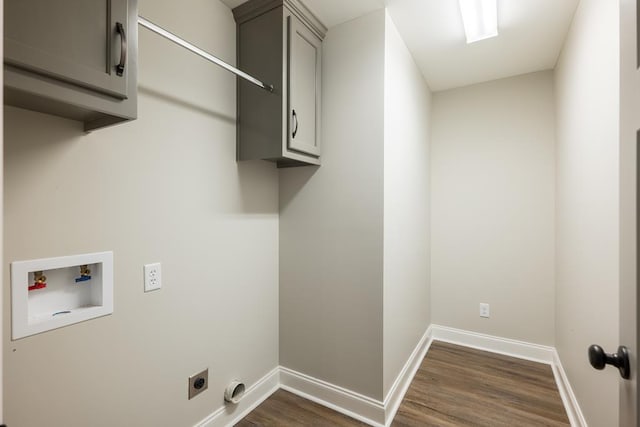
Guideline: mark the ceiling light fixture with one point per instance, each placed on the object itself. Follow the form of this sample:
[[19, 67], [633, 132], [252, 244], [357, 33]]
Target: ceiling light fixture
[[480, 19]]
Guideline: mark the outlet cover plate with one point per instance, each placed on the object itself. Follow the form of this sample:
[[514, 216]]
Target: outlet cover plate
[[484, 310], [198, 383], [152, 277]]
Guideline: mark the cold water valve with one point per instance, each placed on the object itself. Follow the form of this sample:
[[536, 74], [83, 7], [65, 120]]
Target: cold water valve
[[85, 274]]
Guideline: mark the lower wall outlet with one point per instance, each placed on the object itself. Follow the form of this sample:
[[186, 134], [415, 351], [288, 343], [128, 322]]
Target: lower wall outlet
[[152, 277], [484, 309], [198, 383]]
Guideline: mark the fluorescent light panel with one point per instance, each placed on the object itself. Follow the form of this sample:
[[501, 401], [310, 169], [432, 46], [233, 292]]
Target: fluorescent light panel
[[480, 19]]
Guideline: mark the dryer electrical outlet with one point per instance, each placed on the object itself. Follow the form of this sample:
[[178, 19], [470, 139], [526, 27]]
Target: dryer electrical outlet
[[198, 383]]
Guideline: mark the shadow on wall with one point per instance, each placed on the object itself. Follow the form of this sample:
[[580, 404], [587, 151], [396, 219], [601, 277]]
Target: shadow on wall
[[185, 104], [258, 192], [44, 140], [292, 180]]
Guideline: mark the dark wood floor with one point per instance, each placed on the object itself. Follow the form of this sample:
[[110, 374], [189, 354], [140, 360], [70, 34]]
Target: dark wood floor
[[454, 386], [286, 409], [461, 386]]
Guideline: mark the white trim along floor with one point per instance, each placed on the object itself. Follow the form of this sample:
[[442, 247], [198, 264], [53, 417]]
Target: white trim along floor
[[380, 413]]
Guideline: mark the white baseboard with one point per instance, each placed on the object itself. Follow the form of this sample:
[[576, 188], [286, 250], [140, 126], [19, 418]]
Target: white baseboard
[[355, 405], [229, 415], [521, 350], [506, 346], [399, 388], [350, 403], [576, 418], [380, 414]]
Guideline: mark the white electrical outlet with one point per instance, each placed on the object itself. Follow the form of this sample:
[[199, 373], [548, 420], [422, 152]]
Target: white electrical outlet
[[152, 277], [484, 309]]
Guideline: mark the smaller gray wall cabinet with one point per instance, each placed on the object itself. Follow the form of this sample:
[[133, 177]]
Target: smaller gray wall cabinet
[[72, 58], [279, 42]]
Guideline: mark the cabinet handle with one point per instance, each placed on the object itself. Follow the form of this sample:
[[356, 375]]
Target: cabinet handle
[[295, 128], [123, 49]]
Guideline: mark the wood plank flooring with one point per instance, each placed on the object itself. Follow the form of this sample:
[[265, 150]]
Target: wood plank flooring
[[458, 386], [286, 409], [454, 386]]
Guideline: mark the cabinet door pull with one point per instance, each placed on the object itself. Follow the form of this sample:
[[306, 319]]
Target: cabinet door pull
[[123, 49], [295, 128]]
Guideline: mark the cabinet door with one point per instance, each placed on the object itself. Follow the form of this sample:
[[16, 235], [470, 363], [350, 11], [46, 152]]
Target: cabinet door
[[304, 88], [74, 41]]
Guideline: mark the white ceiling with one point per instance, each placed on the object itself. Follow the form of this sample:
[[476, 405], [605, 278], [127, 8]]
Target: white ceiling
[[532, 33]]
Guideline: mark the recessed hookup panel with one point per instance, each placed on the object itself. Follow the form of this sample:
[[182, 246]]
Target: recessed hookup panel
[[50, 293]]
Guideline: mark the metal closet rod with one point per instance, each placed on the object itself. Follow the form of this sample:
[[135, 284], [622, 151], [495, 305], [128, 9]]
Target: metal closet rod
[[195, 49]]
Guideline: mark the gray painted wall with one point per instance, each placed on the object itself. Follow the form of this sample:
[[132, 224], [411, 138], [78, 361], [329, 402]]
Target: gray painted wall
[[407, 126], [331, 222], [350, 313], [164, 188], [493, 190], [588, 236], [354, 239]]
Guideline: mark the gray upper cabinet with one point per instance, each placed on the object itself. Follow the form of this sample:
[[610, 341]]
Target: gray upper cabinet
[[304, 88], [72, 58], [279, 42]]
